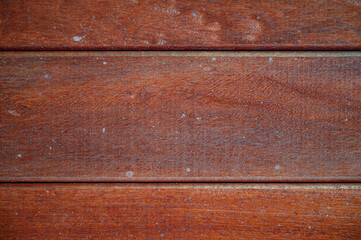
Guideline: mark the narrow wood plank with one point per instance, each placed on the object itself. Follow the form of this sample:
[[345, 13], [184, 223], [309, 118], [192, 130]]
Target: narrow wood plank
[[170, 116], [83, 211], [187, 24]]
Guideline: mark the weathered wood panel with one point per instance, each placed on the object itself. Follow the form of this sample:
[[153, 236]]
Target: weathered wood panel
[[170, 116], [83, 211], [202, 24]]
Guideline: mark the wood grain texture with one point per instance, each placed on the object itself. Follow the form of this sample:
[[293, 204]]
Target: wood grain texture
[[203, 24], [83, 211], [205, 116]]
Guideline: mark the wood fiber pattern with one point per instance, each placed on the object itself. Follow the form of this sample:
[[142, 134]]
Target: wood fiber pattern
[[83, 211], [180, 117], [172, 25]]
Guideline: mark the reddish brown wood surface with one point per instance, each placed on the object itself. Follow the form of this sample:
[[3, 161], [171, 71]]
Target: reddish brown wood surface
[[202, 24], [55, 211], [206, 116]]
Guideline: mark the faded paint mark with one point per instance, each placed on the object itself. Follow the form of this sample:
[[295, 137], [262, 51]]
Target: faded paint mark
[[255, 30], [14, 113], [129, 174], [77, 38]]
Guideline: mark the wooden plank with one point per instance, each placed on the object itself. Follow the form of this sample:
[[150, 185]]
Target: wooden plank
[[83, 211], [171, 25], [189, 116]]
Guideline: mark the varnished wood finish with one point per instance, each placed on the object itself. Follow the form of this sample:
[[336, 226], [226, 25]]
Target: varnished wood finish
[[206, 116], [186, 24], [56, 211]]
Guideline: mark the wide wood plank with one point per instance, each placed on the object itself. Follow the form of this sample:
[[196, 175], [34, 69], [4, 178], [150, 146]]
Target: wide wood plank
[[170, 116], [187, 24], [83, 211]]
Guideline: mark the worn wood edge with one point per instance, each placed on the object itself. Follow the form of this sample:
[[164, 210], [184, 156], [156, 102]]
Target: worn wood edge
[[180, 53], [331, 179], [175, 47], [245, 186]]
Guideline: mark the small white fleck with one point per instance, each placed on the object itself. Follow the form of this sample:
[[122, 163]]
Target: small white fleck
[[194, 14], [19, 155], [328, 207], [214, 59], [309, 226], [103, 130], [54, 27], [270, 59], [47, 191], [198, 118], [16, 213], [77, 38], [154, 126], [277, 167], [12, 112], [188, 169], [346, 120], [105, 63], [162, 235], [47, 76], [183, 115], [129, 174], [50, 148]]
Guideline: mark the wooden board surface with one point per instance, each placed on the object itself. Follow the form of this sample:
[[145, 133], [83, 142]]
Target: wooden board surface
[[168, 116], [203, 24], [83, 211]]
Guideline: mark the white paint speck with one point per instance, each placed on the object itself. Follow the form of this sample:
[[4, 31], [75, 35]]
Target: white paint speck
[[194, 14], [14, 113], [183, 115], [188, 169], [309, 226], [270, 59], [77, 38], [162, 235], [129, 174], [16, 213], [277, 167], [103, 130], [50, 148], [19, 155], [346, 120], [47, 76], [214, 59], [198, 118], [105, 63]]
